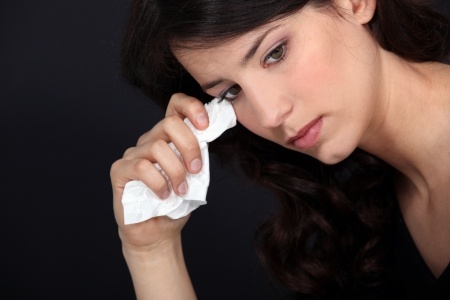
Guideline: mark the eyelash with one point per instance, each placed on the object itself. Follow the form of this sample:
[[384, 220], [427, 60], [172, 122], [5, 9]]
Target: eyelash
[[283, 55], [223, 95]]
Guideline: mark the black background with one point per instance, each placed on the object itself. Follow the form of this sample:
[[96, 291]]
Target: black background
[[66, 114]]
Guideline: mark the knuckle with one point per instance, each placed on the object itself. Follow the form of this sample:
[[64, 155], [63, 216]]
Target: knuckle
[[144, 137], [174, 99], [127, 153], [184, 104], [141, 166], [191, 148], [176, 96], [193, 106], [158, 146], [140, 140], [159, 185], [171, 121], [178, 173], [114, 168]]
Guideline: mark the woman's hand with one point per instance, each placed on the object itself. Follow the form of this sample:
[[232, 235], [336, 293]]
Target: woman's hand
[[138, 164], [153, 248]]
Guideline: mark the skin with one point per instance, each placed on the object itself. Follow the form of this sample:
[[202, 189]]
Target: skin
[[332, 69]]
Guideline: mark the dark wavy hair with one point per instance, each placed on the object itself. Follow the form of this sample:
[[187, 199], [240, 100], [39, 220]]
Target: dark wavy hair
[[331, 234]]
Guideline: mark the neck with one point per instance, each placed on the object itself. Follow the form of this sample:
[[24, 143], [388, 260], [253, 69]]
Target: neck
[[411, 127]]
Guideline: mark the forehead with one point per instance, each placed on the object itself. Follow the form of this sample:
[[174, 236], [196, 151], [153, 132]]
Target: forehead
[[204, 59]]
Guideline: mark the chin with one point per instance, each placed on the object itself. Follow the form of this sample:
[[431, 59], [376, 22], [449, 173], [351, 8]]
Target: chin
[[335, 150], [334, 157]]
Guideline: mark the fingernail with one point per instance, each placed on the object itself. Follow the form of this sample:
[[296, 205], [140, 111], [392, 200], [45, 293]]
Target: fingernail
[[182, 188], [202, 120], [166, 194], [196, 165]]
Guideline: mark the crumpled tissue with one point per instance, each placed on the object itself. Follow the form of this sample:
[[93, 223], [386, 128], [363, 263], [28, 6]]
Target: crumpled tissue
[[140, 203]]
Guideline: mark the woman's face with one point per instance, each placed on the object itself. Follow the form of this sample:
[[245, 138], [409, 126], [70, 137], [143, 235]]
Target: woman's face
[[308, 82]]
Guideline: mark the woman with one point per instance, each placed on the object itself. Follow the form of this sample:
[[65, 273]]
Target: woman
[[345, 112]]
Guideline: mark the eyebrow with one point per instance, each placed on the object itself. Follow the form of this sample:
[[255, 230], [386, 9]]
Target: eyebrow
[[211, 84], [250, 53]]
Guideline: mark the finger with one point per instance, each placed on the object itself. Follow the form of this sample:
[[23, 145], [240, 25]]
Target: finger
[[123, 171], [164, 129], [185, 106], [173, 129], [169, 162]]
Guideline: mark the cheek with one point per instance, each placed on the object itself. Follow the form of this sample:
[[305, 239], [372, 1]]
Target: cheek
[[248, 120], [315, 87], [314, 72], [312, 78], [245, 117], [329, 81]]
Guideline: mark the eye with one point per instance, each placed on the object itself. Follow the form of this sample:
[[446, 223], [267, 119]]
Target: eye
[[276, 55], [231, 93]]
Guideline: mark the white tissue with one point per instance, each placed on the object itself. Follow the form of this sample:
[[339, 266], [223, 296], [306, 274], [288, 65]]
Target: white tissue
[[140, 203]]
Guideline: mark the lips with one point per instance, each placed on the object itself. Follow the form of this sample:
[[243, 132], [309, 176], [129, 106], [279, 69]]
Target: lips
[[307, 137]]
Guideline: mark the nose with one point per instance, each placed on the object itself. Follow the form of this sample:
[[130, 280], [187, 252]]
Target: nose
[[268, 104]]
